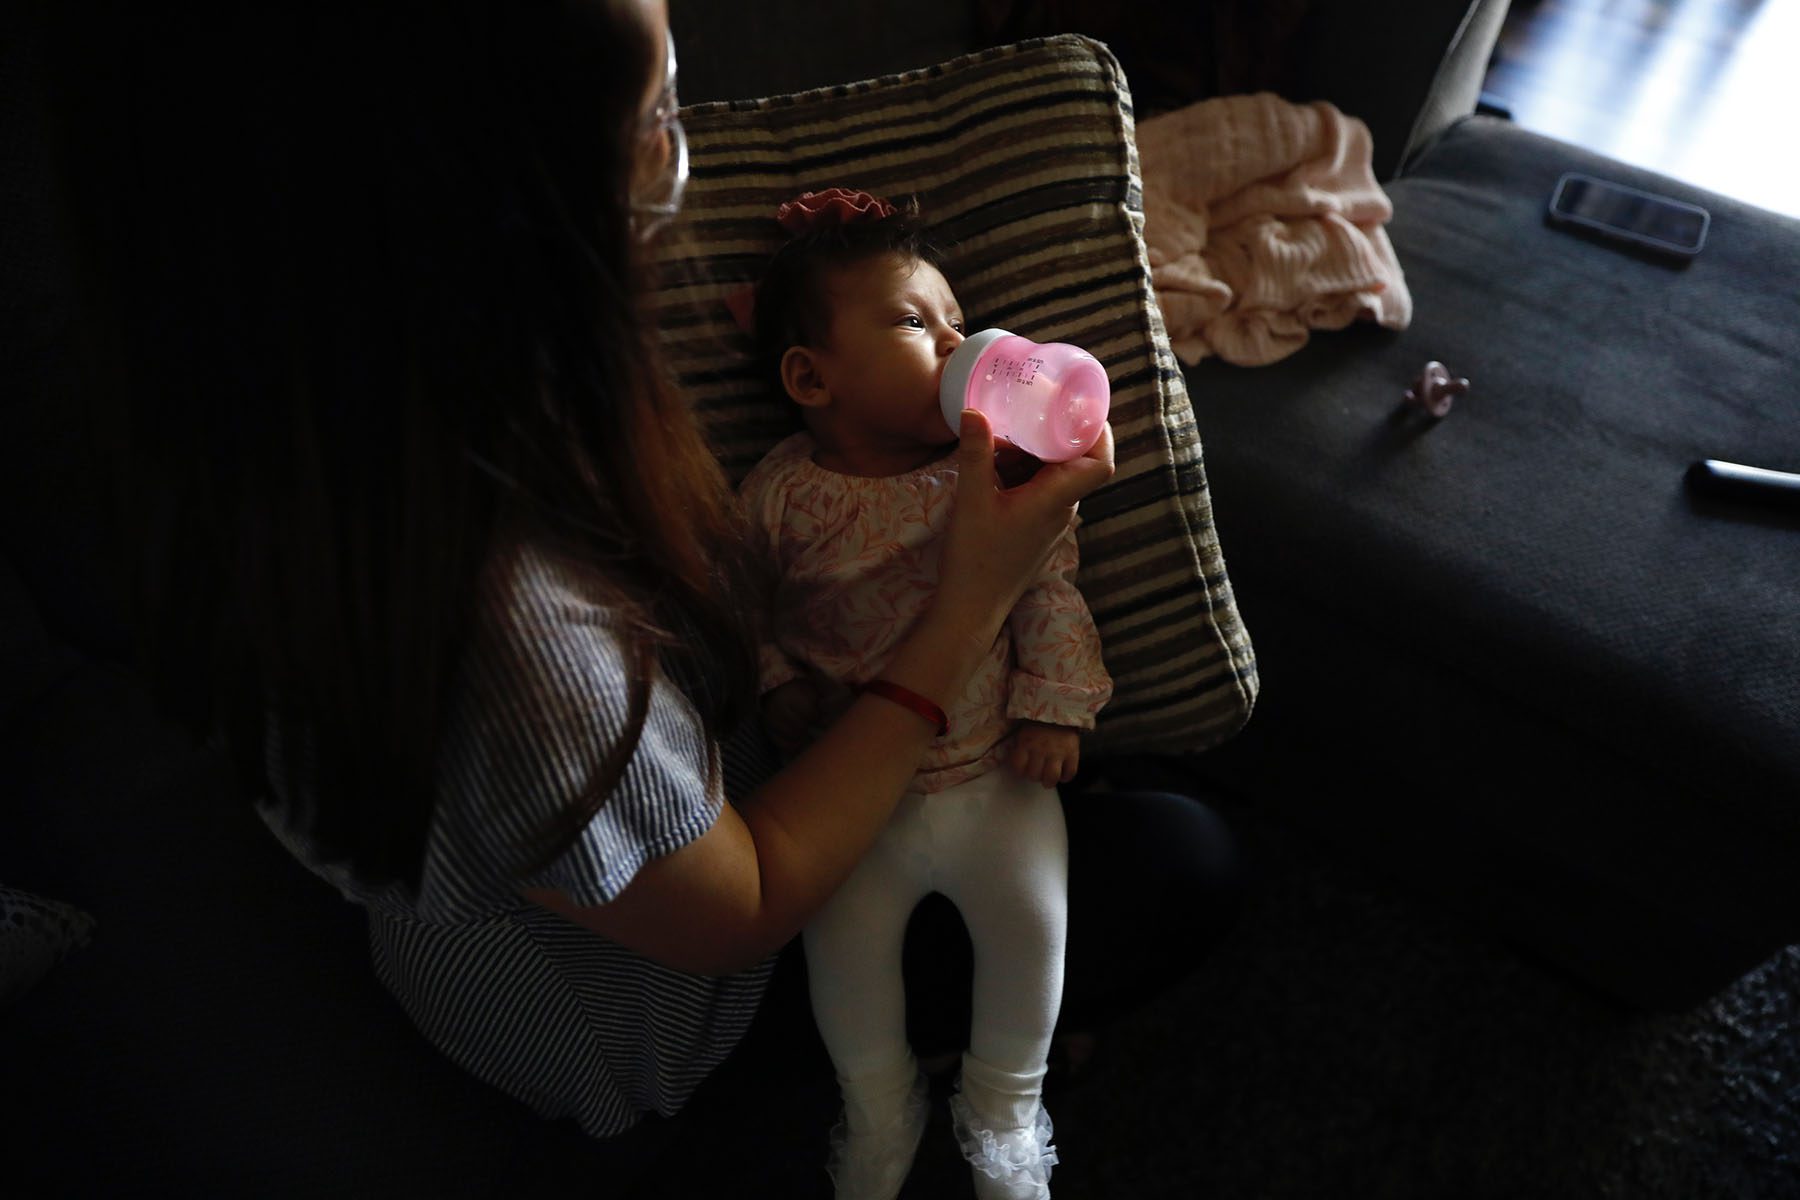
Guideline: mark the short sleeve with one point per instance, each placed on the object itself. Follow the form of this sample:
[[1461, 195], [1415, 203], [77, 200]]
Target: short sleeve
[[544, 698]]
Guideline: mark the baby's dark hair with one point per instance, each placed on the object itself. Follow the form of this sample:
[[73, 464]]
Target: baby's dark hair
[[792, 308]]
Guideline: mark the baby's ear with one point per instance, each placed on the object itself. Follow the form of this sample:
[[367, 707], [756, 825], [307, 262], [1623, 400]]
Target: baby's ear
[[801, 377]]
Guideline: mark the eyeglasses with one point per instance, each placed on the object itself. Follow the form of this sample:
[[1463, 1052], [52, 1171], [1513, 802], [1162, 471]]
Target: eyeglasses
[[657, 199]]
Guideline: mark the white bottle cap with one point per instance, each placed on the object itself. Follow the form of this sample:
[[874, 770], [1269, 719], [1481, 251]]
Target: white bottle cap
[[953, 387]]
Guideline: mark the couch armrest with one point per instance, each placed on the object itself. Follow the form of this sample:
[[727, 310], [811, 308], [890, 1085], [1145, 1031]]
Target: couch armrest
[[1457, 88], [1409, 73]]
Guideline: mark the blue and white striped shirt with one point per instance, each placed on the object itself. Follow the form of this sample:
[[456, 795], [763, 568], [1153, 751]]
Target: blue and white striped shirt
[[557, 1016]]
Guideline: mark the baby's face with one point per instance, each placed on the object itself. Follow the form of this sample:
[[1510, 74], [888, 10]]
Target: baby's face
[[894, 322]]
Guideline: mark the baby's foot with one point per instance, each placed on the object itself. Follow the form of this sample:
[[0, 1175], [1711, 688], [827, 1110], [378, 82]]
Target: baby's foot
[[871, 1164], [1006, 1164]]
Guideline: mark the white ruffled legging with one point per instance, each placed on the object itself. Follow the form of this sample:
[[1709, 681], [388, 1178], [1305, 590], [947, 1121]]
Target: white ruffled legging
[[996, 847]]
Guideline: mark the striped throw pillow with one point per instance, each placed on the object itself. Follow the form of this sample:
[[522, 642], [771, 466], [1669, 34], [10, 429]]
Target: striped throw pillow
[[1024, 161]]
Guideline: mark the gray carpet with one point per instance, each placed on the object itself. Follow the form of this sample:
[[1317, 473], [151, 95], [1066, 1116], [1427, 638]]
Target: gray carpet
[[1349, 1040]]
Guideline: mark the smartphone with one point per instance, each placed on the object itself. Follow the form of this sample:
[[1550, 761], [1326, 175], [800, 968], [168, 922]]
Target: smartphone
[[1657, 223]]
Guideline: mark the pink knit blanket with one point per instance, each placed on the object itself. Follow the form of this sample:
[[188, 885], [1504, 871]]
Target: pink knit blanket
[[1264, 222]]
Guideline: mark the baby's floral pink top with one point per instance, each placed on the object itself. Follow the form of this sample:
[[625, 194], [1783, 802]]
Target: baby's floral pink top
[[857, 561]]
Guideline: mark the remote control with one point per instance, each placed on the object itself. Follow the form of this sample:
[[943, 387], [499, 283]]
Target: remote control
[[1745, 485]]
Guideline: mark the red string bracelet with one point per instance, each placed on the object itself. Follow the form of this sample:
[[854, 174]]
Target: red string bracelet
[[908, 699]]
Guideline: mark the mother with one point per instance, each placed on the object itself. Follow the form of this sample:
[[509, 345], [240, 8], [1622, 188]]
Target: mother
[[427, 541]]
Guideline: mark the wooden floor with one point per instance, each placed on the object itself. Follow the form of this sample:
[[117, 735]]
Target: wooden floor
[[1703, 90]]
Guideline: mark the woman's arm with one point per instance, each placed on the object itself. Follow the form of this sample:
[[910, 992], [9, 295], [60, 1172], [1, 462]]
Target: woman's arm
[[740, 891], [737, 893]]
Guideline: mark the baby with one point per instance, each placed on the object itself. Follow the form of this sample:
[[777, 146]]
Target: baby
[[856, 321]]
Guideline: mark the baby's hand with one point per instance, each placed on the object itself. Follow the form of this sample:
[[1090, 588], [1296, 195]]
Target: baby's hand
[[788, 714], [1047, 754]]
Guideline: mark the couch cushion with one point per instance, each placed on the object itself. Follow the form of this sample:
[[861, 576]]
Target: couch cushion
[[224, 1025], [35, 934], [1518, 619], [1024, 161], [28, 658], [55, 528]]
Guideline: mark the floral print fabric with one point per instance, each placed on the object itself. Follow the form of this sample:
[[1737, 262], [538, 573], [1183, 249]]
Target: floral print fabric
[[856, 561]]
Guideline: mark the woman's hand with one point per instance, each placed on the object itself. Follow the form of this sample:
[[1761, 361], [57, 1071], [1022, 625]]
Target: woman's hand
[[998, 538]]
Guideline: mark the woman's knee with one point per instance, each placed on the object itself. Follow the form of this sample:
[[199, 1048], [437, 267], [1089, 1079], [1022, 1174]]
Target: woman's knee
[[1156, 881], [1153, 856]]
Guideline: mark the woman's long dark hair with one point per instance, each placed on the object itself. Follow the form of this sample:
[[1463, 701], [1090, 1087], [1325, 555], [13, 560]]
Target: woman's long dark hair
[[364, 289]]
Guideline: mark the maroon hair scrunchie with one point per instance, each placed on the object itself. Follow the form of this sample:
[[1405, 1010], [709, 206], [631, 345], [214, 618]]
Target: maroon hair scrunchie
[[833, 206]]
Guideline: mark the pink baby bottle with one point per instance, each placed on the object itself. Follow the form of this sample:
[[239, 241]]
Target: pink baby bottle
[[1049, 399]]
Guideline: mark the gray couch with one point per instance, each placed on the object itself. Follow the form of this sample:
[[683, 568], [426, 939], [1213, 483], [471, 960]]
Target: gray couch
[[1506, 657], [1533, 675]]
